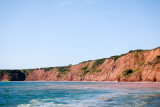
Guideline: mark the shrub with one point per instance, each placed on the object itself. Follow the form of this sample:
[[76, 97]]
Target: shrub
[[138, 50], [63, 69], [48, 69], [129, 72], [150, 63], [58, 75], [115, 57], [26, 71], [85, 61], [156, 48], [70, 65], [119, 75], [85, 72], [98, 62], [157, 60], [95, 70], [141, 63], [85, 69], [14, 75], [158, 57], [1, 72]]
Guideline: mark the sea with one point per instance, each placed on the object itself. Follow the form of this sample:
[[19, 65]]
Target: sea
[[79, 94]]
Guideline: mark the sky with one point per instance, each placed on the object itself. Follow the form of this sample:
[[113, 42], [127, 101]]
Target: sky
[[47, 33]]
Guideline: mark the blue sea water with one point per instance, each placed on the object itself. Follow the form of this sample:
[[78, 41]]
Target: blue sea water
[[79, 94]]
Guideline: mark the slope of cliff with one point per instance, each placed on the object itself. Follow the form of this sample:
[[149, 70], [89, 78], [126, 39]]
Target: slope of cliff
[[137, 65]]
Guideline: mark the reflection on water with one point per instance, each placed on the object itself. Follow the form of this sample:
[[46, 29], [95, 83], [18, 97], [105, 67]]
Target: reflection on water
[[79, 94]]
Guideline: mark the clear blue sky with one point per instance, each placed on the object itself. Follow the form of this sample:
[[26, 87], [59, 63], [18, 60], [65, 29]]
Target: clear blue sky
[[44, 33]]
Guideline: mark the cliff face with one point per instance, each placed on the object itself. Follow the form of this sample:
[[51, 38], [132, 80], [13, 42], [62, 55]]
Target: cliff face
[[136, 65]]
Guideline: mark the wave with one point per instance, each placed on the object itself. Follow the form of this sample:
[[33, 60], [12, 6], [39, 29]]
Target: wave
[[44, 103], [95, 101]]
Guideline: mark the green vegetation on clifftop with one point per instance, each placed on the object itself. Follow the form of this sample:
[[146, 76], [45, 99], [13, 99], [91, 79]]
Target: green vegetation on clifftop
[[26, 71], [98, 62], [62, 70], [20, 75]]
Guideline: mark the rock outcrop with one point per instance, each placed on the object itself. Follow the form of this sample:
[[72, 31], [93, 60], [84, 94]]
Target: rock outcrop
[[137, 65], [12, 75], [4, 77]]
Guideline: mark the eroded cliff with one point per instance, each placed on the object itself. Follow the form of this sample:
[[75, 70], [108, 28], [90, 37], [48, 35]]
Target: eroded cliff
[[138, 65]]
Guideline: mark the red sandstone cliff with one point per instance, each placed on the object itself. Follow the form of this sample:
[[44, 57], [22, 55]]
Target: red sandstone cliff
[[4, 77], [133, 66]]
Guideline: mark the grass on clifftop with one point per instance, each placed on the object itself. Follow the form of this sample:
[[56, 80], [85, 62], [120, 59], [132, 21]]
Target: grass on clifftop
[[98, 62], [157, 48], [26, 71], [115, 57], [138, 50], [62, 70], [85, 61], [48, 69]]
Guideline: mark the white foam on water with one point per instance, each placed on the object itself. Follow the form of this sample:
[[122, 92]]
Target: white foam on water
[[24, 105], [40, 103], [85, 102], [73, 103], [100, 100]]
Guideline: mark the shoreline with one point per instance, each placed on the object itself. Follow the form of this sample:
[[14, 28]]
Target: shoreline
[[87, 81]]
